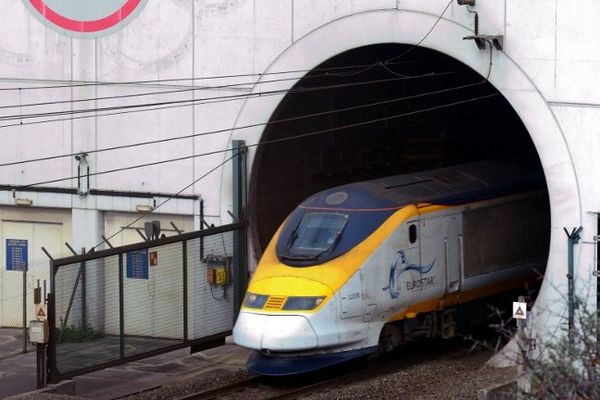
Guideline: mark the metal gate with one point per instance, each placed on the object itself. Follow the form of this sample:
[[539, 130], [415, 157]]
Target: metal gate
[[122, 304]]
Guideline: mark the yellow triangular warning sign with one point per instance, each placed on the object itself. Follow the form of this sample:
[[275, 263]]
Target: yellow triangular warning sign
[[519, 312], [41, 313]]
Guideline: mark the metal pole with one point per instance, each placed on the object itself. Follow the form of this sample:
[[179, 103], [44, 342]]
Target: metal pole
[[121, 310], [598, 282], [25, 310], [40, 349], [83, 292], [185, 290], [523, 343], [573, 239], [201, 228], [239, 211]]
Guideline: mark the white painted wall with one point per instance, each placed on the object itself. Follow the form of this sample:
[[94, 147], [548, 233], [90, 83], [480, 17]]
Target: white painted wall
[[40, 227], [547, 71]]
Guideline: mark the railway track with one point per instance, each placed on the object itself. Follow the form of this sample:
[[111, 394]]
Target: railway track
[[326, 381], [265, 388], [224, 391]]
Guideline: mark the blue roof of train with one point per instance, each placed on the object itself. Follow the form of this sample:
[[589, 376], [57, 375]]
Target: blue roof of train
[[369, 203], [451, 185]]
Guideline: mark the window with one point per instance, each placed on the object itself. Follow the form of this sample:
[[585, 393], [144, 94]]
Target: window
[[317, 234], [412, 233]]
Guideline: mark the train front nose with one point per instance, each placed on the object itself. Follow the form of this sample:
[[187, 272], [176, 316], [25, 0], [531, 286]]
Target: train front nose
[[274, 332], [277, 312]]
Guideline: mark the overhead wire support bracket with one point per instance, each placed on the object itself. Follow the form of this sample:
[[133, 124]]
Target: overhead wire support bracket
[[497, 41]]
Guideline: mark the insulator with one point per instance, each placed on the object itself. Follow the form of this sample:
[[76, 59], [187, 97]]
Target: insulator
[[476, 24]]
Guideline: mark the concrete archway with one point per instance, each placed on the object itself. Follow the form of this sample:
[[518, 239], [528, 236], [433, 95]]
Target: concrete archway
[[409, 27]]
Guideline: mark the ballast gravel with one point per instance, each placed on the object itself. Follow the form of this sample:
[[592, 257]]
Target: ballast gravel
[[428, 375], [459, 377]]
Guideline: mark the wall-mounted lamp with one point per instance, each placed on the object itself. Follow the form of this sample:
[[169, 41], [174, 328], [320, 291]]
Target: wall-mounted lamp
[[23, 202], [82, 161], [144, 208]]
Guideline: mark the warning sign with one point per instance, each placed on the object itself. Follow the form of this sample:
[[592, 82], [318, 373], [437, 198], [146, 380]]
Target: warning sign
[[85, 18], [519, 310], [41, 312]]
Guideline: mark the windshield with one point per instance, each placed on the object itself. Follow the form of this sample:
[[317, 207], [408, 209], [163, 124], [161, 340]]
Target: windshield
[[317, 234]]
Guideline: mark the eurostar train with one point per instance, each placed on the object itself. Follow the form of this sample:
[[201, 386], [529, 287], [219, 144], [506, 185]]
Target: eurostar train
[[373, 264]]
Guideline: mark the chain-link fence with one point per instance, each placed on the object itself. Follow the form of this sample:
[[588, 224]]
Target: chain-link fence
[[126, 303], [16, 305]]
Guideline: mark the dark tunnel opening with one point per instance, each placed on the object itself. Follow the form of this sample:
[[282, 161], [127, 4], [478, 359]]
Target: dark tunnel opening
[[449, 115]]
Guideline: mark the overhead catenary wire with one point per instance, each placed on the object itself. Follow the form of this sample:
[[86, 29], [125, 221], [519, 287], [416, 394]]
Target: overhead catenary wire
[[185, 103], [240, 85], [322, 131], [328, 72], [225, 130], [21, 117]]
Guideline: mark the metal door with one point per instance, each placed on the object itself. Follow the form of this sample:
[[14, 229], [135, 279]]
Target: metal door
[[453, 255]]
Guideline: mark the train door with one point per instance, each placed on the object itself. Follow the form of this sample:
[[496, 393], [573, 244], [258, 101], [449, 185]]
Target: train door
[[431, 281], [452, 253]]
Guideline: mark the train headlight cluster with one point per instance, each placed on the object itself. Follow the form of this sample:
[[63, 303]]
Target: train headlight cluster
[[253, 300], [303, 303], [290, 303]]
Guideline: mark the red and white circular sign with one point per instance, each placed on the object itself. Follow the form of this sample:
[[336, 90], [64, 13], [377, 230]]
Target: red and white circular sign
[[85, 18]]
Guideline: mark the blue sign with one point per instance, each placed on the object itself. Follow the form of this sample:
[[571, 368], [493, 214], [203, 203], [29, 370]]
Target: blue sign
[[16, 255], [137, 264]]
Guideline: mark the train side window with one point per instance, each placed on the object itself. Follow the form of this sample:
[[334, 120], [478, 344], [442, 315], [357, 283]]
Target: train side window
[[412, 233]]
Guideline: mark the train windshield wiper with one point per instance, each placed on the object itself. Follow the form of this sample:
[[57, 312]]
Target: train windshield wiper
[[300, 258]]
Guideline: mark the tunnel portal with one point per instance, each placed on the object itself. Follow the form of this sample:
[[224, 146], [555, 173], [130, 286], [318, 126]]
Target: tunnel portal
[[427, 110]]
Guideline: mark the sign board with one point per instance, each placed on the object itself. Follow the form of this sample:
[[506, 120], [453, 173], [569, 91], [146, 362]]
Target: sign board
[[85, 18], [137, 264], [153, 258], [16, 255], [41, 312], [519, 310]]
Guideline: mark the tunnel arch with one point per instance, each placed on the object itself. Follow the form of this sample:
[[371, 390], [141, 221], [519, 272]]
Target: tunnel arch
[[507, 77]]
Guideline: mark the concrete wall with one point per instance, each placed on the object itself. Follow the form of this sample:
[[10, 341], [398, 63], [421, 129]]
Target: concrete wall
[[39, 227], [547, 71]]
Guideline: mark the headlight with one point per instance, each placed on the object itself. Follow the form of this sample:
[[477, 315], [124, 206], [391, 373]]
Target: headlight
[[302, 303], [253, 300]]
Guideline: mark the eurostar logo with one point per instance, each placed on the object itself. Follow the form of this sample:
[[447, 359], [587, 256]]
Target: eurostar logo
[[400, 265], [85, 18]]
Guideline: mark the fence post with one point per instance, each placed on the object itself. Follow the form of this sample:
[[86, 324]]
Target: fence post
[[51, 367], [25, 309], [121, 310]]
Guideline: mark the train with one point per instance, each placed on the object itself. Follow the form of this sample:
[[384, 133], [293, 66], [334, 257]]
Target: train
[[374, 264]]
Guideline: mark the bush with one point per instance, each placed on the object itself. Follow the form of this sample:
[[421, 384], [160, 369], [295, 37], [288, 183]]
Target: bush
[[77, 334]]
